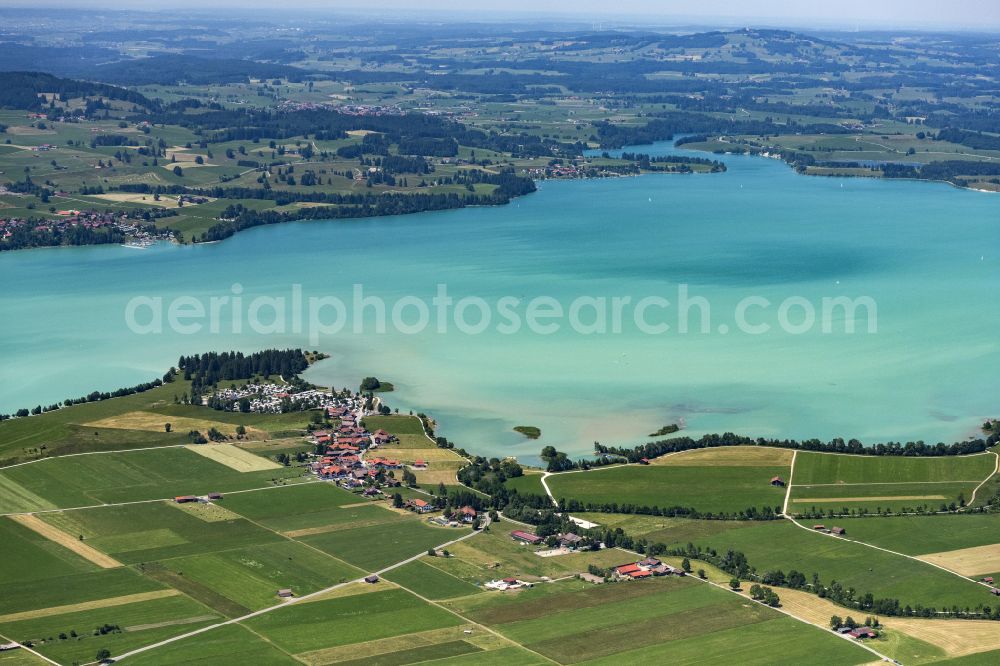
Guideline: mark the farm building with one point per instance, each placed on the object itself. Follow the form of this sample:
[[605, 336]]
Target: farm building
[[183, 499], [215, 496], [778, 481], [569, 540], [526, 537], [468, 514], [863, 632], [285, 593], [371, 579], [839, 531], [420, 506]]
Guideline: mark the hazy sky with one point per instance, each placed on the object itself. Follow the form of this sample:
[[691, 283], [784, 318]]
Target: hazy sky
[[984, 14]]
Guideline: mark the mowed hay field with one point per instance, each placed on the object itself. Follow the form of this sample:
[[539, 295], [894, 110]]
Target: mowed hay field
[[67, 541], [234, 458], [668, 620], [153, 422], [88, 480], [835, 481], [974, 561], [706, 487], [729, 456]]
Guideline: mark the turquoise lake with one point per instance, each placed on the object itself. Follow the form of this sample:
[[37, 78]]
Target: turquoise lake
[[927, 254]]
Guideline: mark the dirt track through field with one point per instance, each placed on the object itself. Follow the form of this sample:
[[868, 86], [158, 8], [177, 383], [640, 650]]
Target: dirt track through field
[[968, 561], [879, 498], [56, 535], [88, 605]]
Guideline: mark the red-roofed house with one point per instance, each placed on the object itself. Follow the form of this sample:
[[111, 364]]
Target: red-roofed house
[[526, 537], [420, 506]]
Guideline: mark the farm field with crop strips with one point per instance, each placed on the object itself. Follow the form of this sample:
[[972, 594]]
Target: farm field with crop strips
[[89, 480], [664, 619], [705, 488], [833, 482]]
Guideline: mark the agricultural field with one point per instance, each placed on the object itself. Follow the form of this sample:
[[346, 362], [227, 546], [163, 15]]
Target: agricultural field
[[832, 482], [250, 576], [780, 544], [70, 637], [325, 623], [135, 533], [661, 621], [310, 508], [529, 483], [376, 546], [431, 582], [699, 484], [88, 480]]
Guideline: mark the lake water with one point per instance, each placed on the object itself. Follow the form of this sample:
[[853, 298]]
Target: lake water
[[927, 254]]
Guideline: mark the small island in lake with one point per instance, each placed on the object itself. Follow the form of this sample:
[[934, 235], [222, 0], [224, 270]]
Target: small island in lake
[[665, 430], [373, 385], [531, 432]]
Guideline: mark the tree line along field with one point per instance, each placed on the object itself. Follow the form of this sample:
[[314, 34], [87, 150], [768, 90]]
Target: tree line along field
[[782, 545]]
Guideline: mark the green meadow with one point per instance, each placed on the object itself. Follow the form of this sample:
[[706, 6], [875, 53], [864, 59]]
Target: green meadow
[[705, 488], [130, 476], [29, 556], [918, 535], [354, 619], [431, 582], [818, 468], [135, 533], [139, 624], [528, 483], [666, 619], [231, 645], [782, 545], [251, 576], [833, 482], [378, 546]]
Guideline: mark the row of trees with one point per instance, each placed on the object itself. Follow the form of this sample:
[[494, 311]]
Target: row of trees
[[852, 446]]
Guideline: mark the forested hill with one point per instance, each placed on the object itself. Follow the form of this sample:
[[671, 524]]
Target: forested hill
[[22, 90]]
